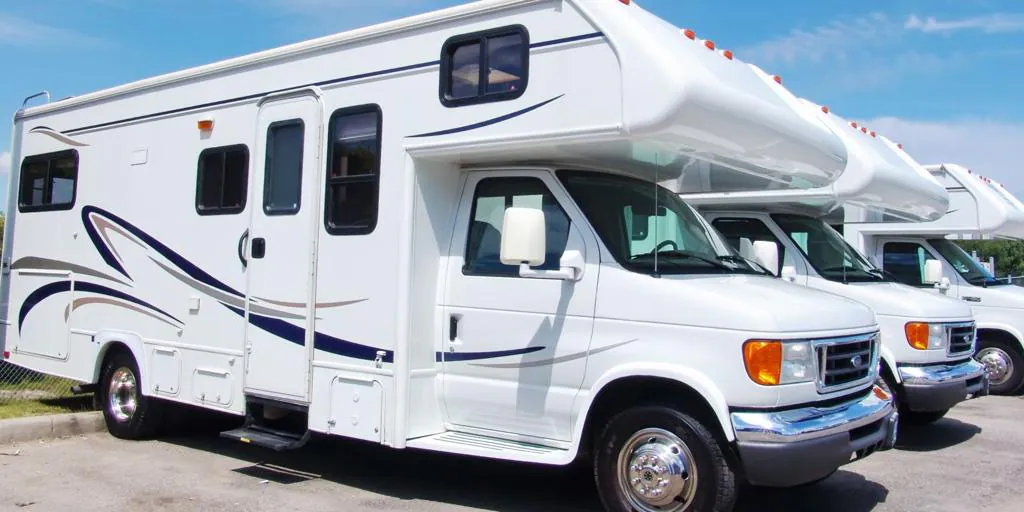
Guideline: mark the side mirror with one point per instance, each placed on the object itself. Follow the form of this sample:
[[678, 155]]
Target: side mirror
[[522, 237], [746, 248], [767, 254], [932, 271]]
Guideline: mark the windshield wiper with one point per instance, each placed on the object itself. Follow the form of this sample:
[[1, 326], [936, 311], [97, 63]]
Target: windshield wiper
[[740, 259], [689, 255]]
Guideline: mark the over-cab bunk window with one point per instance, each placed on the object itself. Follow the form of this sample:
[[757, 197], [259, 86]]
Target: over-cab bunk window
[[486, 66], [222, 180], [353, 172], [48, 182]]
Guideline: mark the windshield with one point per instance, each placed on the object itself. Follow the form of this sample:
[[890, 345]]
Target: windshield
[[826, 250], [965, 265], [672, 239]]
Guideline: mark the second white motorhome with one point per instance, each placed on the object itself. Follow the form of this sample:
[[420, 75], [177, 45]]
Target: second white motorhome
[[442, 233], [927, 341], [924, 255]]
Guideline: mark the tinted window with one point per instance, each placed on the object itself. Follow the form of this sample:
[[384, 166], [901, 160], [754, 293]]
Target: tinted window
[[492, 197], [905, 262], [485, 66], [222, 181], [48, 182], [282, 186], [735, 229], [353, 173]]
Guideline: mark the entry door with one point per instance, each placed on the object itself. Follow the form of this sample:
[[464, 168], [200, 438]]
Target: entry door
[[514, 348], [280, 247]]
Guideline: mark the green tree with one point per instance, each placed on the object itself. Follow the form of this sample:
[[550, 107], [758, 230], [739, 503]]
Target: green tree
[[1009, 254]]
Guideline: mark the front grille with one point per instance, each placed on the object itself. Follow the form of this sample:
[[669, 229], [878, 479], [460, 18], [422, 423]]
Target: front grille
[[961, 338], [845, 363]]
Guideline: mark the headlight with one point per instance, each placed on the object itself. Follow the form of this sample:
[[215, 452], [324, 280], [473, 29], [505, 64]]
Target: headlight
[[774, 362], [924, 336]]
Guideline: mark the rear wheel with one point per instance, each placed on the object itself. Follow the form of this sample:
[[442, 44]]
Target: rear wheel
[[658, 459], [127, 412], [1003, 364]]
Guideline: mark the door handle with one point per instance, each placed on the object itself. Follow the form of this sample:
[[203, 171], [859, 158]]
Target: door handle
[[453, 328], [259, 247], [241, 248]]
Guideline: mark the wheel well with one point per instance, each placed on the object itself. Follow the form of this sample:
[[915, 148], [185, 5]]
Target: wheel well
[[1000, 335], [108, 351], [633, 391]]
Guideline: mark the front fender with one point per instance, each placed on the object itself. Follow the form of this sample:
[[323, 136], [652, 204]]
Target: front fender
[[890, 361], [999, 326], [695, 379]]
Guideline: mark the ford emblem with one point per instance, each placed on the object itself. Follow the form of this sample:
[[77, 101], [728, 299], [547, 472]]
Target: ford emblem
[[856, 361]]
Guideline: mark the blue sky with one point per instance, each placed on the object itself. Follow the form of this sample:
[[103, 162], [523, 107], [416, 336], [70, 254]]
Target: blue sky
[[941, 76]]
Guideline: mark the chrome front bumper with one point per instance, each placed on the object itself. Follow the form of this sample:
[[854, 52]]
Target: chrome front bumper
[[938, 387], [791, 447]]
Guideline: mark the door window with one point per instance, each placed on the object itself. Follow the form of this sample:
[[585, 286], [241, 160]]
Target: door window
[[735, 228], [491, 198], [282, 186], [905, 261]]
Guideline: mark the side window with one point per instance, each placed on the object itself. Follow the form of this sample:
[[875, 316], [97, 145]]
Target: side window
[[353, 172], [485, 66], [905, 261], [222, 181], [282, 185], [734, 229], [48, 182], [492, 197]]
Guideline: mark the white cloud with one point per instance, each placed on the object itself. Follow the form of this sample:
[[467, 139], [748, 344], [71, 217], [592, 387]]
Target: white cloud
[[16, 31], [836, 40], [994, 23], [988, 147]]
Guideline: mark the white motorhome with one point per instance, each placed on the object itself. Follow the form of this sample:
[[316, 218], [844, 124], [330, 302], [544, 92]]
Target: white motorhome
[[924, 255], [927, 340], [366, 236]]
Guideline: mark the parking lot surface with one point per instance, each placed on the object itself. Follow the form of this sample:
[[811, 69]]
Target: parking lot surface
[[973, 460]]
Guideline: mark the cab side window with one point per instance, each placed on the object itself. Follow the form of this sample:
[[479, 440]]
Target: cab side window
[[905, 262], [491, 198], [736, 228]]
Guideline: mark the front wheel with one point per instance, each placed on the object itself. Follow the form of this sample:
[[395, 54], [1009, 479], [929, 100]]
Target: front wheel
[[658, 459], [1003, 364], [922, 418], [127, 412]]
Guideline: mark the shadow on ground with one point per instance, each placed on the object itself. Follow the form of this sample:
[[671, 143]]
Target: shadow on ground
[[473, 482], [942, 434]]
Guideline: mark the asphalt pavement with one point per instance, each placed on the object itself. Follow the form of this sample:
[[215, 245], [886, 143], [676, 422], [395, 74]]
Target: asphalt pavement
[[973, 460]]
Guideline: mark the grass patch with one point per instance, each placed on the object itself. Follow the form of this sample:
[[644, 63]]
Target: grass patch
[[44, 406]]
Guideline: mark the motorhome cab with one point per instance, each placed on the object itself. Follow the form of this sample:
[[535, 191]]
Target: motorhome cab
[[927, 340], [925, 255], [444, 233]]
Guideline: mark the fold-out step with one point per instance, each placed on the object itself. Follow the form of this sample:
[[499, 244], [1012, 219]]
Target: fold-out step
[[278, 440]]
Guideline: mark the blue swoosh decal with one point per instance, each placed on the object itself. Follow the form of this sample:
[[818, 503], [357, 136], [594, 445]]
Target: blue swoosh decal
[[193, 271], [452, 357], [488, 122], [48, 290]]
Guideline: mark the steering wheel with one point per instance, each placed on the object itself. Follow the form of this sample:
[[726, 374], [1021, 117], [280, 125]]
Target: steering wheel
[[675, 246]]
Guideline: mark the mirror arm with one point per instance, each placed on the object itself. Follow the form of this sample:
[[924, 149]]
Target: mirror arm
[[564, 273]]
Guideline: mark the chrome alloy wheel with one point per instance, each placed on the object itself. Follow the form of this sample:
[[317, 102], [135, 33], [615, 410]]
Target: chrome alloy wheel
[[657, 472], [998, 364], [122, 395]]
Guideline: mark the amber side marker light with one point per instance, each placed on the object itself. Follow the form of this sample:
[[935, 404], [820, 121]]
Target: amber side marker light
[[763, 359]]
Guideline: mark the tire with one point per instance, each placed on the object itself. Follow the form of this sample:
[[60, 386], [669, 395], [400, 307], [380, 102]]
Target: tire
[[127, 412], [921, 418], [1004, 364], [710, 483]]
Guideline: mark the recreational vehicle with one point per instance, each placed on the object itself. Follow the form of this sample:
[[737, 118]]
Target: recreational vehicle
[[924, 255], [436, 233], [927, 340]]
